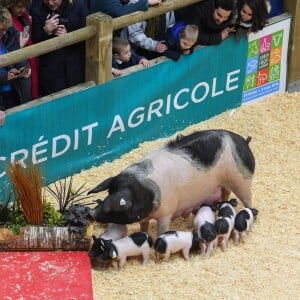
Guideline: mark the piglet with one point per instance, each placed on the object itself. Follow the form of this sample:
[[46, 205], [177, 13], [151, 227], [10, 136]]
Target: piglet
[[174, 241], [204, 228], [136, 244], [243, 223], [225, 222]]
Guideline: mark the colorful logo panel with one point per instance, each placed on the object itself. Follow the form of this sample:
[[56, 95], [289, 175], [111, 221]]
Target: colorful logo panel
[[263, 66]]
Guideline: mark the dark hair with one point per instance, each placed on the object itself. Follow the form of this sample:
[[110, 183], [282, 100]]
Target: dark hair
[[259, 10], [225, 4]]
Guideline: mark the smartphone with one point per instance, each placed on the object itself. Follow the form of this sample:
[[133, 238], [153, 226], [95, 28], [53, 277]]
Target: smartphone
[[25, 32]]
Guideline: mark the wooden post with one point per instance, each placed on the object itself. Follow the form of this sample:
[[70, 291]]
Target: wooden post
[[293, 7], [99, 49]]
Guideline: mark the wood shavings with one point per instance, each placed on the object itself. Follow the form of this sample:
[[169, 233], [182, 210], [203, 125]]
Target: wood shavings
[[267, 265]]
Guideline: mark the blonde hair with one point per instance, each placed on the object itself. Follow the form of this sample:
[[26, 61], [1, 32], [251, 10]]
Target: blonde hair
[[11, 3], [190, 32], [5, 17]]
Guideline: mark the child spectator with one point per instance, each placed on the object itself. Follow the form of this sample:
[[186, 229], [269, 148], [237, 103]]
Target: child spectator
[[180, 39], [124, 56], [13, 91], [213, 18], [252, 16], [62, 68], [22, 21], [117, 8]]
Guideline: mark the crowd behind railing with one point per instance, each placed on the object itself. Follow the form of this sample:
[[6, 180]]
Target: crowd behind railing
[[175, 33]]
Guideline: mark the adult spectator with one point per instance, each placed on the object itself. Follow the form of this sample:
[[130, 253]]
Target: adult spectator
[[148, 36], [213, 18], [117, 8], [12, 88], [62, 68], [22, 21], [252, 16]]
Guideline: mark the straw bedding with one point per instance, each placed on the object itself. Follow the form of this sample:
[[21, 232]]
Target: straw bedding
[[267, 265]]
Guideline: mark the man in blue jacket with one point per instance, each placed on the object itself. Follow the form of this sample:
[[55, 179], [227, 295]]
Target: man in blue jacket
[[117, 8]]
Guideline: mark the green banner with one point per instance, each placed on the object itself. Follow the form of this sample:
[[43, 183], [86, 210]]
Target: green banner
[[101, 123]]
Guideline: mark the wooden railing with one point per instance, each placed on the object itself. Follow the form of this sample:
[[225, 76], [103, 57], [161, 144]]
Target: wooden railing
[[98, 36]]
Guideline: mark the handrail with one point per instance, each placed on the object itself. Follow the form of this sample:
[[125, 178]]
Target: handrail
[[164, 7], [88, 32], [37, 49]]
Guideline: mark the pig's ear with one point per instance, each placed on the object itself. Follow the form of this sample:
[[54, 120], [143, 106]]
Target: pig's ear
[[102, 186], [233, 202], [125, 204]]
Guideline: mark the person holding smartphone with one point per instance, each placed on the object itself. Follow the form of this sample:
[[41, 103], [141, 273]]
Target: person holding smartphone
[[13, 88], [62, 68], [22, 21]]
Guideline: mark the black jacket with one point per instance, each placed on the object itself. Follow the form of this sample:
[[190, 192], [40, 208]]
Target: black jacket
[[64, 67], [201, 14], [22, 86]]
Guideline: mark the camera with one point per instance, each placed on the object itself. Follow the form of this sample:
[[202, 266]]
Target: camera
[[61, 21]]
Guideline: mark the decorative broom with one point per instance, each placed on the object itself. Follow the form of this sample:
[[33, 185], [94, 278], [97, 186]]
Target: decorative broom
[[28, 186]]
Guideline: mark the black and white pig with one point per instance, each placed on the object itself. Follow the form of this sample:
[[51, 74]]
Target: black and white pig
[[136, 244], [177, 178], [224, 224], [204, 227], [242, 224], [174, 241]]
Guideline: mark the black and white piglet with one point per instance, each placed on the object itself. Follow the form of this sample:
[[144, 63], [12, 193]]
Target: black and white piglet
[[243, 223], [204, 228], [136, 244], [174, 241], [225, 222]]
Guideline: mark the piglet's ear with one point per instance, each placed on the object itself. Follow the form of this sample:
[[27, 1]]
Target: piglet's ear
[[114, 255], [102, 186]]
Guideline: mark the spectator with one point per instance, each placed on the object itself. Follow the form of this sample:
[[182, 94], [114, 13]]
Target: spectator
[[12, 88], [180, 39], [147, 36], [62, 68], [124, 56], [252, 16], [22, 21], [117, 8], [213, 18]]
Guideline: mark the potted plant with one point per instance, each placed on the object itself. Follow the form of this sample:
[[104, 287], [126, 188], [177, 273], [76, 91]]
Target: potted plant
[[30, 222]]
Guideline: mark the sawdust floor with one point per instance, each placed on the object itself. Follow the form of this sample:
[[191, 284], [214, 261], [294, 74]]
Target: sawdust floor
[[267, 266]]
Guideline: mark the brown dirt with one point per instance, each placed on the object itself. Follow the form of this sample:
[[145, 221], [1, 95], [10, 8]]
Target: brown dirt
[[267, 265]]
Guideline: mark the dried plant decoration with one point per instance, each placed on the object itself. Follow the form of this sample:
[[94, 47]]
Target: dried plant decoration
[[27, 183]]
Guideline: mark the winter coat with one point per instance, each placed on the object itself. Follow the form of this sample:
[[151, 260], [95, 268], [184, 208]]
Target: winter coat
[[201, 14], [116, 8], [62, 68]]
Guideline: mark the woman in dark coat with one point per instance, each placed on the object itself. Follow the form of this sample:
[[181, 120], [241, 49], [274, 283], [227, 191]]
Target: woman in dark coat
[[64, 67], [14, 89]]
